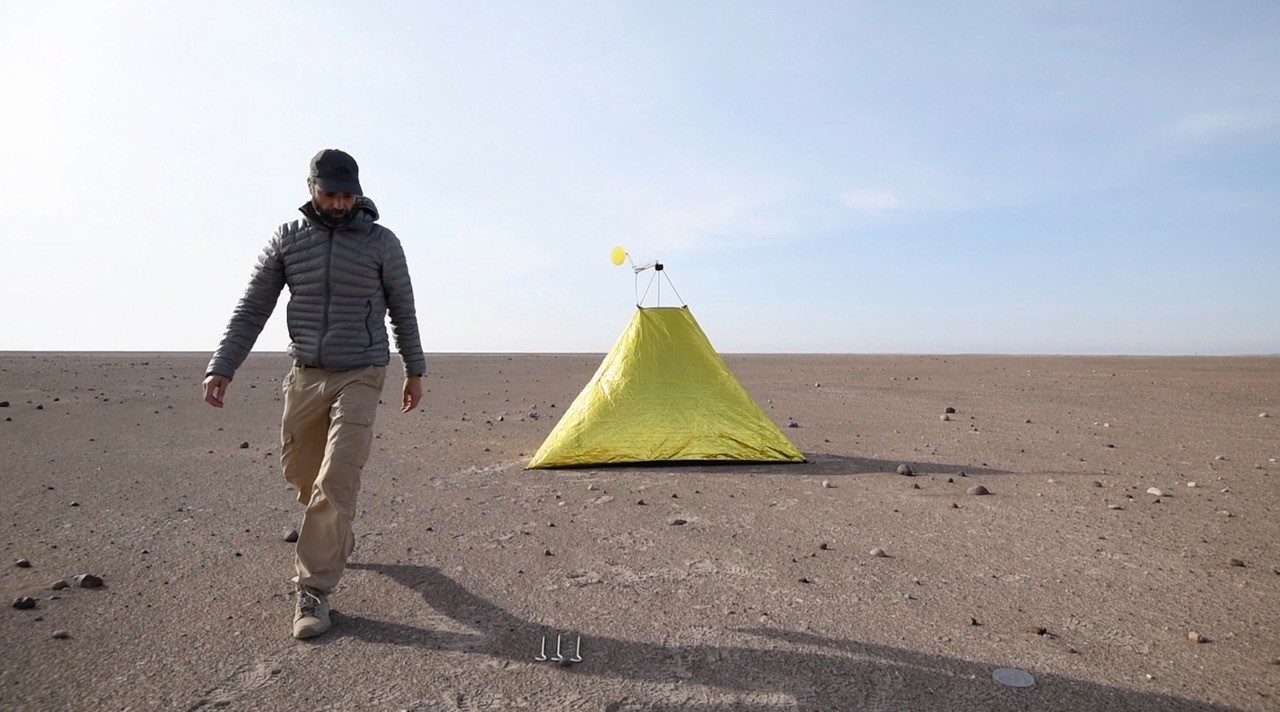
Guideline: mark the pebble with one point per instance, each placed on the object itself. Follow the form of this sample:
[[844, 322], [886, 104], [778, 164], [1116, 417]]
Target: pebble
[[1191, 484], [291, 536], [1196, 637], [949, 410], [592, 487], [244, 445], [944, 416], [879, 553], [1156, 491], [915, 486], [86, 580], [22, 563], [826, 484], [905, 470], [1037, 630], [973, 621], [977, 490], [1219, 457], [4, 404], [1264, 415], [793, 424], [1097, 483], [805, 579], [824, 546], [679, 522], [1114, 506], [61, 634], [1237, 562], [23, 603], [58, 585]]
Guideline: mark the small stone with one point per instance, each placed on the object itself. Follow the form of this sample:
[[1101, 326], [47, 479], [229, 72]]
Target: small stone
[[973, 621], [23, 603], [244, 445], [1263, 415], [793, 424], [879, 553], [592, 487], [679, 522], [1157, 492], [547, 553], [291, 536], [905, 470], [40, 407], [1114, 506], [949, 409], [805, 579], [915, 486], [61, 634], [1036, 630], [4, 404], [22, 563], [977, 490], [86, 580], [1196, 637], [1191, 484], [944, 417], [954, 505], [58, 585], [1219, 457], [75, 504], [1237, 562], [826, 484], [641, 502]]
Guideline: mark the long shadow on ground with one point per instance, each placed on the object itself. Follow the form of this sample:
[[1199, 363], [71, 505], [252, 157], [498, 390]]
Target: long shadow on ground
[[829, 674]]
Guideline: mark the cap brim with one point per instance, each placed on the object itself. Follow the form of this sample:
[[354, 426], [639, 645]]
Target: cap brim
[[337, 185]]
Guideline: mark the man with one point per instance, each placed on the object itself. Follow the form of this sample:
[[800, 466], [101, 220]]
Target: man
[[345, 272]]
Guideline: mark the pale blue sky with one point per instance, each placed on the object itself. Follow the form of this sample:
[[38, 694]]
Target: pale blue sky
[[939, 177]]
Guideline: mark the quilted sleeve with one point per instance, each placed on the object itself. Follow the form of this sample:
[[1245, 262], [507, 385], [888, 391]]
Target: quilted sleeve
[[252, 312], [398, 289]]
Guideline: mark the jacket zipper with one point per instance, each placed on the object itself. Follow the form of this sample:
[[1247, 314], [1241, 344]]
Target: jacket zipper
[[368, 314], [324, 324]]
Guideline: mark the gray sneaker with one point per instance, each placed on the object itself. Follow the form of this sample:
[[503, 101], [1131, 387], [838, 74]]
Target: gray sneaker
[[312, 615]]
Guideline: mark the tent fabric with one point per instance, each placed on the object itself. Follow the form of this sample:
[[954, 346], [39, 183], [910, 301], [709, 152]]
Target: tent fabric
[[663, 394]]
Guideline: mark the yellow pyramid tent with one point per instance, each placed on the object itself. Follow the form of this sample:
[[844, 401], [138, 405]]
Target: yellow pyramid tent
[[663, 394]]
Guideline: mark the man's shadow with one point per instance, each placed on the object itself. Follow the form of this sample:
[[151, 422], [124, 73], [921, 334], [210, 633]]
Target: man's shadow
[[827, 674]]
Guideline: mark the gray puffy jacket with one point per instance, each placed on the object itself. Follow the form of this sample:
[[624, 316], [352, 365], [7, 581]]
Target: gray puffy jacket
[[342, 282]]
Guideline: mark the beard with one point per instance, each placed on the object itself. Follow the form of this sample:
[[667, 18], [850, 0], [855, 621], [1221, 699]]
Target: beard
[[333, 216]]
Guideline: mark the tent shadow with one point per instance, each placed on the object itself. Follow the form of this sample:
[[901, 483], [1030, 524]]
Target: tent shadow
[[814, 672], [819, 464]]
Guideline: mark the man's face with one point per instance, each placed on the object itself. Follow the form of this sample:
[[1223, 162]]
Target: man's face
[[335, 206]]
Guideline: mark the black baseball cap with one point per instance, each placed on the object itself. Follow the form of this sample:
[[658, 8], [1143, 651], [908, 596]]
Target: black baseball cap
[[336, 171]]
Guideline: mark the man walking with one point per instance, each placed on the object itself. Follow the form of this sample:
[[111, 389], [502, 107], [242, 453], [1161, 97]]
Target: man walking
[[345, 273]]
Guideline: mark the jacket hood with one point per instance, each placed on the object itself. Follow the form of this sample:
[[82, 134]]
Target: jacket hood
[[364, 214]]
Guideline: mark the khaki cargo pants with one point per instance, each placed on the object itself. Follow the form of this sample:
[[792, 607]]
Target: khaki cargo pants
[[325, 438]]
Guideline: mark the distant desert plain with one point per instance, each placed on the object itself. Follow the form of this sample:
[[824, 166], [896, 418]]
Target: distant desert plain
[[1126, 555]]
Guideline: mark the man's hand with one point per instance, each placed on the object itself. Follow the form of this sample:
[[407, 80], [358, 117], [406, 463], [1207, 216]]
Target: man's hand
[[215, 387], [411, 394]]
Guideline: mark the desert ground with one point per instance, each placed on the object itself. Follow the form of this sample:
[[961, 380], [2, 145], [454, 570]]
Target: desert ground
[[767, 597]]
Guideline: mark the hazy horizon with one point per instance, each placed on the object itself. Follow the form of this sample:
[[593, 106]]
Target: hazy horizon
[[1076, 178]]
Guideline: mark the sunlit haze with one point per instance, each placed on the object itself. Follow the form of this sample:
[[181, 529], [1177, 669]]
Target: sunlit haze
[[979, 177]]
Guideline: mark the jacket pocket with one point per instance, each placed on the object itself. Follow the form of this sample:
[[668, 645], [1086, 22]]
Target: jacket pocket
[[368, 321]]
